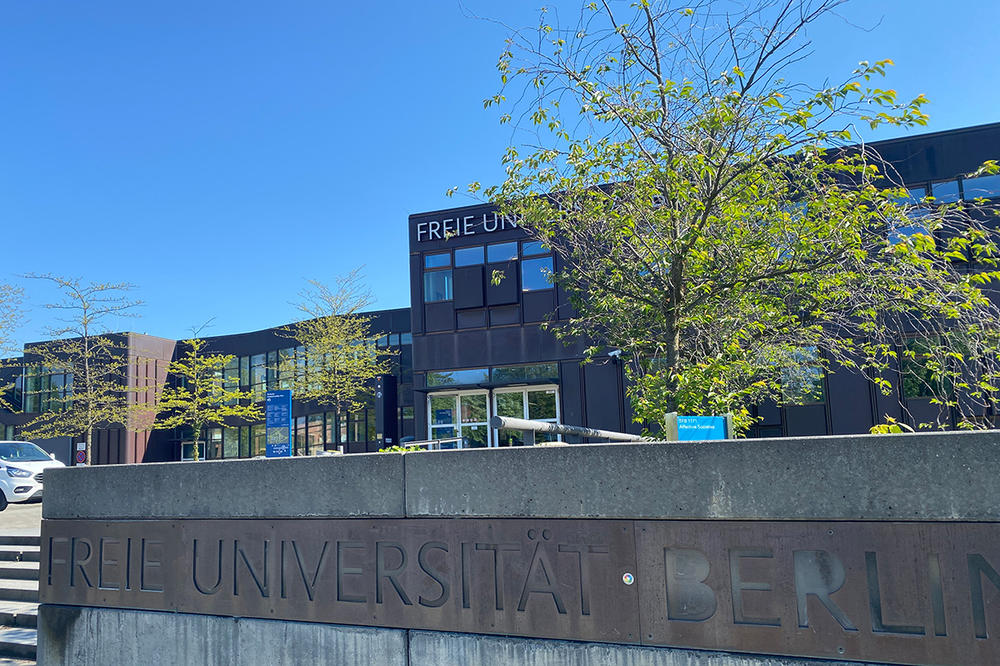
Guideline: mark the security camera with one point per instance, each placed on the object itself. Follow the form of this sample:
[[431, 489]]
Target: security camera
[[615, 353]]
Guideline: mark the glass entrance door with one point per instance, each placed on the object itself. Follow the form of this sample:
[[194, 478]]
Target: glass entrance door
[[466, 414], [462, 415], [537, 403]]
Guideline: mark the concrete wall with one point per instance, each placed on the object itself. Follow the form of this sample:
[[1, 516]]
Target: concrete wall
[[94, 637], [924, 477]]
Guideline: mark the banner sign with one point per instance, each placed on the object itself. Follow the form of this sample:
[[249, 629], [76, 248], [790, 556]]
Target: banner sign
[[906, 593], [278, 423]]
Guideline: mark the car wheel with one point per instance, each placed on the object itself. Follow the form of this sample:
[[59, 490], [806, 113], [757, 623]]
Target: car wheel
[[3, 501]]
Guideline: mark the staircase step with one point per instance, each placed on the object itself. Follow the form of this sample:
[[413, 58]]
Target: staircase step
[[18, 614], [18, 642], [7, 540], [18, 590], [18, 554], [18, 571]]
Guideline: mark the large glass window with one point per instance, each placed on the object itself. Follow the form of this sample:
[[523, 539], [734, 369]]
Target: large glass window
[[231, 443], [258, 375], [437, 260], [912, 225], [533, 248], [945, 192], [212, 450], [437, 286], [452, 377], [469, 256], [47, 390], [922, 369], [315, 433], [536, 404], [501, 252], [983, 187], [258, 440], [520, 373], [536, 273], [802, 382]]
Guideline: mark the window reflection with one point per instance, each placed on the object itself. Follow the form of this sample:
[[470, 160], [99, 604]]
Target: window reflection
[[469, 256]]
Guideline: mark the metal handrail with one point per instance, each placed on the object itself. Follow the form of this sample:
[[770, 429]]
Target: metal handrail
[[509, 423]]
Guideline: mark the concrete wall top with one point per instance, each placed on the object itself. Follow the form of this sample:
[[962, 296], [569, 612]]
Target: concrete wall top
[[934, 476], [327, 486]]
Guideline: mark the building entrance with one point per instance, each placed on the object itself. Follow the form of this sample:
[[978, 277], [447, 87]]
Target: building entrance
[[466, 414]]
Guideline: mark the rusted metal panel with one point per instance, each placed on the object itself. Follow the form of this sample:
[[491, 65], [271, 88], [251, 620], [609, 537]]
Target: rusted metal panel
[[544, 578], [908, 593]]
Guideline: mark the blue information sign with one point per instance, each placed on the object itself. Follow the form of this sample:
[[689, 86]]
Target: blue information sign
[[700, 428], [278, 423]]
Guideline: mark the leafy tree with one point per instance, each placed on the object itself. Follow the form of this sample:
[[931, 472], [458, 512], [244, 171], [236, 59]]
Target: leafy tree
[[92, 360], [723, 226], [199, 396], [337, 359]]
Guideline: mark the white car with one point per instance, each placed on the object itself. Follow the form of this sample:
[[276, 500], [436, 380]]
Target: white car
[[21, 467]]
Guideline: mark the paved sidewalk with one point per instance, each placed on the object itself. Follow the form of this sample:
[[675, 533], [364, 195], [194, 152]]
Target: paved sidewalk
[[21, 520]]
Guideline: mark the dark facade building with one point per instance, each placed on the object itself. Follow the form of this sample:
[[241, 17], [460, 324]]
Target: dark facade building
[[479, 349], [472, 346]]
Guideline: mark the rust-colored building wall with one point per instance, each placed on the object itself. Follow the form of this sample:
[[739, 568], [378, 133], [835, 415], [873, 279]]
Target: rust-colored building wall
[[148, 360]]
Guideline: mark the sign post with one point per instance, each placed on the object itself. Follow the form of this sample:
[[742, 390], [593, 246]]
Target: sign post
[[81, 453], [697, 428], [278, 423]]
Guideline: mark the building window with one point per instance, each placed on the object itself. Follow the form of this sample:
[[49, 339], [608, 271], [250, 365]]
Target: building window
[[945, 192], [437, 286], [533, 248], [536, 404], [437, 260], [536, 274], [258, 440], [501, 252], [231, 443], [520, 373], [983, 187], [315, 433], [469, 256], [47, 389], [211, 449], [452, 377], [900, 230], [258, 375], [802, 382], [922, 369]]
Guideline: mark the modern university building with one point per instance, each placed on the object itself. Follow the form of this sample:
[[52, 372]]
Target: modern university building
[[469, 349]]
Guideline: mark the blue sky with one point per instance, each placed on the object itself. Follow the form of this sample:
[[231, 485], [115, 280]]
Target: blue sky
[[219, 154]]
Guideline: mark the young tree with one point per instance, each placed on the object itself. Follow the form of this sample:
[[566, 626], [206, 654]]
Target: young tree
[[11, 299], [92, 361], [728, 230], [199, 396], [337, 359], [10, 318]]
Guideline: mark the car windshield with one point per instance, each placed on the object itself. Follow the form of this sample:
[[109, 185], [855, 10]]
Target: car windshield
[[26, 451]]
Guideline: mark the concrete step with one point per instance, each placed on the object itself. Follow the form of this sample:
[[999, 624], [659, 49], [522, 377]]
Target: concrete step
[[18, 614], [18, 571], [19, 590], [18, 554], [18, 642], [7, 540]]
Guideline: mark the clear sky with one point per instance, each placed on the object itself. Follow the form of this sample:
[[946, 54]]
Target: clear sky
[[218, 154]]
